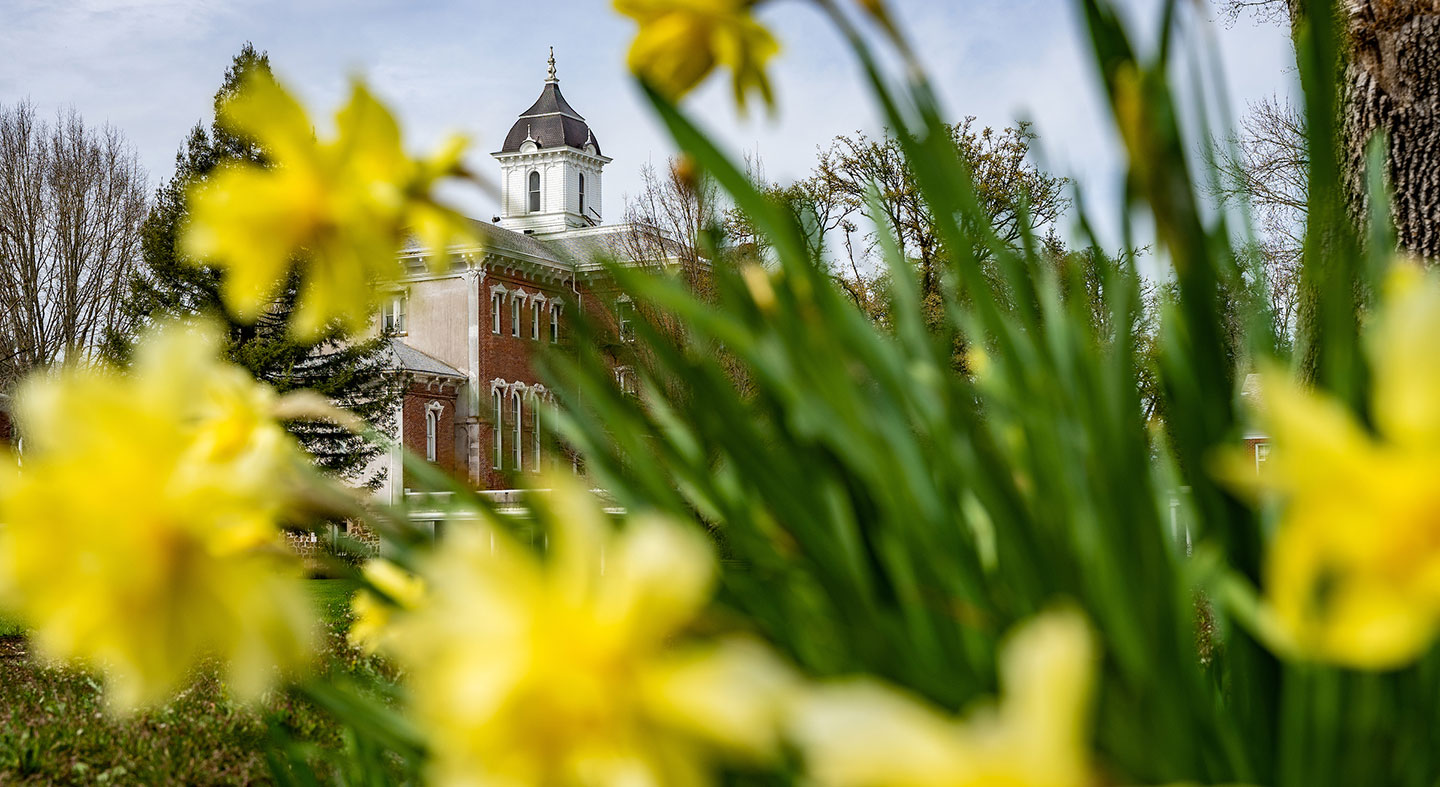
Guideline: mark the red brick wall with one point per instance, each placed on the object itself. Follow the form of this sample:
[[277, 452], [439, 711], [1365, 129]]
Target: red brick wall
[[1258, 448], [509, 358], [418, 397]]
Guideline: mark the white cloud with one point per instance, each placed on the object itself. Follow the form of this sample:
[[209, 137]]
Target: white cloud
[[151, 67]]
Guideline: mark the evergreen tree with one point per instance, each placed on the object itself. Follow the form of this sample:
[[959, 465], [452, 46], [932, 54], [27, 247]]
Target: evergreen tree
[[351, 372]]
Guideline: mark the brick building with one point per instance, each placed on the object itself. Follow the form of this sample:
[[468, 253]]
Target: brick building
[[465, 338]]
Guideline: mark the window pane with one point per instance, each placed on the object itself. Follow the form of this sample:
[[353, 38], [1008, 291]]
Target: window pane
[[430, 436], [499, 432], [519, 423]]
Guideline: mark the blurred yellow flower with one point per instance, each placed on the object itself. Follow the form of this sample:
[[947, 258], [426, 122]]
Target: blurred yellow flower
[[681, 41], [140, 537], [372, 613], [564, 671], [1352, 574], [863, 734], [339, 209]]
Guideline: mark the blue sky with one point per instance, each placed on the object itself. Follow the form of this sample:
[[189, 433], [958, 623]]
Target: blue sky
[[150, 67]]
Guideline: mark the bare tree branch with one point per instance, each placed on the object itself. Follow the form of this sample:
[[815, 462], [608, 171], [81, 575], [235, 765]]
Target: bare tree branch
[[72, 200]]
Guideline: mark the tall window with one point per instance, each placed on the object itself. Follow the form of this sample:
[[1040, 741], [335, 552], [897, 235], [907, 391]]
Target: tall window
[[514, 315], [535, 321], [499, 429], [625, 314], [494, 312], [535, 405], [582, 194], [432, 419], [392, 314], [519, 431], [534, 192], [554, 323], [625, 378]]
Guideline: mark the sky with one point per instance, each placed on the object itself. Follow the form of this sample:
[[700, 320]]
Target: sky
[[151, 68]]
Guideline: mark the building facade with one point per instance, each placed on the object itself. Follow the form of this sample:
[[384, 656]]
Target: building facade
[[465, 339]]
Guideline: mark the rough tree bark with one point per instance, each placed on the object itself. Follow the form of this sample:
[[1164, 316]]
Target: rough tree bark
[[1392, 85]]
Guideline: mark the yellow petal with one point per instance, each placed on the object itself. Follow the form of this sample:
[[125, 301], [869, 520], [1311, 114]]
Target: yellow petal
[[1406, 367], [735, 693]]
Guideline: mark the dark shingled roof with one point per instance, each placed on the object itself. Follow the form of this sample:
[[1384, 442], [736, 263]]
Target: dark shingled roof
[[552, 123], [498, 239], [408, 359]]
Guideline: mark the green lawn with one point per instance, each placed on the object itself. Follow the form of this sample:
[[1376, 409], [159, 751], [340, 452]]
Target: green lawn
[[53, 728]]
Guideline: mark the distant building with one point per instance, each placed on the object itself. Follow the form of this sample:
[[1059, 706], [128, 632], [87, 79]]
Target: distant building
[[465, 338], [1256, 441]]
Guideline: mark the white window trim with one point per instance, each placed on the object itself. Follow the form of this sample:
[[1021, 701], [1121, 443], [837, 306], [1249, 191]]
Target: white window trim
[[554, 321], [432, 429], [388, 310], [515, 299], [537, 191], [515, 403], [498, 401], [1262, 454], [539, 398], [497, 301]]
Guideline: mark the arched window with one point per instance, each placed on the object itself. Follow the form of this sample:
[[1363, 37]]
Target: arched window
[[519, 427], [499, 429], [534, 192], [536, 405], [582, 194], [432, 425]]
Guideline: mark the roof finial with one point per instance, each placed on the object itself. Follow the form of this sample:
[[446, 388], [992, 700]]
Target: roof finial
[[552, 78]]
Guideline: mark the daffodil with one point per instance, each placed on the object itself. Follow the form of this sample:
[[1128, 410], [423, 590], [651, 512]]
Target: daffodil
[[681, 41], [339, 209], [863, 734], [139, 534], [573, 669], [373, 614], [1352, 575]]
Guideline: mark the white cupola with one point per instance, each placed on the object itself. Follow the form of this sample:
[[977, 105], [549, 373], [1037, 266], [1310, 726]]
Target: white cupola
[[550, 167]]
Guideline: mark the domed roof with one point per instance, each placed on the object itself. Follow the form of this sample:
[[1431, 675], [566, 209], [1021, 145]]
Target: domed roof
[[550, 122]]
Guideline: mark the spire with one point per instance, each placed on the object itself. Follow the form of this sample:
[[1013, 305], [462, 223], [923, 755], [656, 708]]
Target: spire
[[552, 79]]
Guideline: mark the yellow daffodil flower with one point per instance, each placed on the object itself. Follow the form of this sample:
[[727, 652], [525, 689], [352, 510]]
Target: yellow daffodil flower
[[863, 734], [565, 671], [339, 209], [372, 614], [139, 534], [1352, 574], [681, 41]]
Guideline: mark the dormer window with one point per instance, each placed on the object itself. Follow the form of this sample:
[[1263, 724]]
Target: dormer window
[[534, 192], [582, 194]]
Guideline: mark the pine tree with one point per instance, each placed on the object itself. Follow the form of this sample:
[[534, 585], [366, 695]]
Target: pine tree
[[351, 372]]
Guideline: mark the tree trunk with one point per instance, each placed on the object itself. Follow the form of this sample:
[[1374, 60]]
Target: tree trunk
[[1392, 85]]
